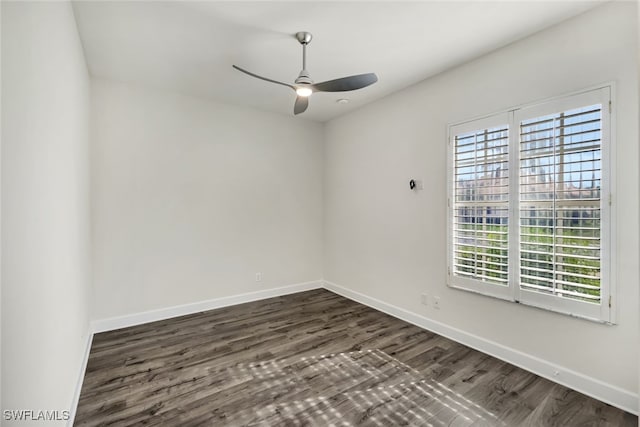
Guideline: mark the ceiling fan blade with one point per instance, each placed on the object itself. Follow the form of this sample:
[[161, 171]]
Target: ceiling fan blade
[[302, 102], [263, 78], [346, 83]]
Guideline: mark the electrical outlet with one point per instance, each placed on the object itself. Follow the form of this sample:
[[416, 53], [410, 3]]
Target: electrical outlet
[[424, 298], [436, 303], [258, 277]]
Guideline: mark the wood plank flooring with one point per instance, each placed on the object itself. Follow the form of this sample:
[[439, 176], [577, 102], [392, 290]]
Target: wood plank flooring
[[314, 358]]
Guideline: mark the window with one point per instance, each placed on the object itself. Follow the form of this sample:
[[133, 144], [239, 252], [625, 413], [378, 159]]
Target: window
[[529, 205], [480, 216]]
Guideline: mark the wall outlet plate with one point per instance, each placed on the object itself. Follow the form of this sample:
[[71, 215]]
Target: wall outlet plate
[[424, 298]]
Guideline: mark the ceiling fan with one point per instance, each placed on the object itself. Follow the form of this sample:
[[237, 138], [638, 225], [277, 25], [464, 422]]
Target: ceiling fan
[[304, 86]]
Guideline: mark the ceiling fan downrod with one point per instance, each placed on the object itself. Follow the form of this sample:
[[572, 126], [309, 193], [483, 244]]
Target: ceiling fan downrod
[[304, 38]]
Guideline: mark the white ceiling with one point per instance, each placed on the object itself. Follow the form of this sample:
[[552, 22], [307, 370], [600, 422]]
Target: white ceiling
[[189, 47]]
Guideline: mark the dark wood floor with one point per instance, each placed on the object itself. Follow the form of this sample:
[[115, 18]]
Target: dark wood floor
[[314, 358]]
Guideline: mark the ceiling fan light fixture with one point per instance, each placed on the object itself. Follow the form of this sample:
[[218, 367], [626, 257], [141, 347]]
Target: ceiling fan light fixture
[[304, 91]]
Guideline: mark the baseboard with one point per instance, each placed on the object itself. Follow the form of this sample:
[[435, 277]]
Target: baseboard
[[597, 389], [113, 323], [83, 368]]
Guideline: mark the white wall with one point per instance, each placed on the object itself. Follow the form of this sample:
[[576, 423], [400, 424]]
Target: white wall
[[45, 206], [190, 199], [389, 243]]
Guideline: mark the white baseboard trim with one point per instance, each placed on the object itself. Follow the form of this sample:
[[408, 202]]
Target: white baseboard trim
[[83, 369], [110, 324], [597, 389]]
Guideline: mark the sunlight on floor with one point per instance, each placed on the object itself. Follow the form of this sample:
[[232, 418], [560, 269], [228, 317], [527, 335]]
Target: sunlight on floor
[[367, 387]]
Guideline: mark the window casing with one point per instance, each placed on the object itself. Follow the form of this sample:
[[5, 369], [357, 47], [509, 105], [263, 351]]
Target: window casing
[[529, 205]]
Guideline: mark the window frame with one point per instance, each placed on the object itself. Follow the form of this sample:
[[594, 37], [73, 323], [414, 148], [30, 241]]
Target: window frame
[[512, 118]]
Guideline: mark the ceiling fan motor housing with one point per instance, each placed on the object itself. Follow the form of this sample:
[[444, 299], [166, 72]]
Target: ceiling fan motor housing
[[304, 78]]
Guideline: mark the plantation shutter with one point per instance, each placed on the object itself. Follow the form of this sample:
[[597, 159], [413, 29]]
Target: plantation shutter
[[479, 206], [561, 209]]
